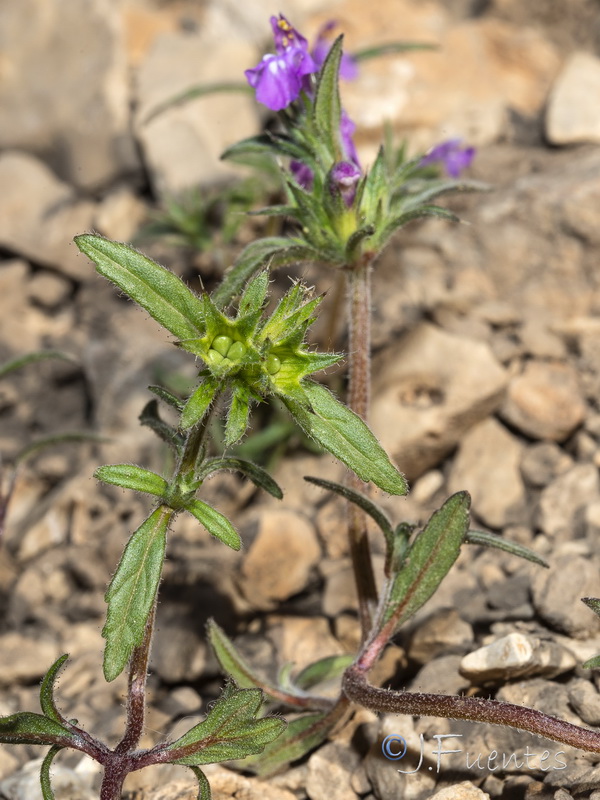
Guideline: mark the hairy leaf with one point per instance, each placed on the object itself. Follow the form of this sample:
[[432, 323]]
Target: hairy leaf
[[150, 417], [28, 728], [429, 558], [198, 403], [493, 540], [204, 792], [230, 731], [215, 523], [132, 591], [32, 358], [164, 296], [323, 670], [343, 433], [47, 703], [233, 664], [327, 107], [359, 499], [129, 476], [302, 736], [256, 474], [47, 793]]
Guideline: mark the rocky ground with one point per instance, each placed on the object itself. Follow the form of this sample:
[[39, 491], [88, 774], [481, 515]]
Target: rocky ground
[[486, 377]]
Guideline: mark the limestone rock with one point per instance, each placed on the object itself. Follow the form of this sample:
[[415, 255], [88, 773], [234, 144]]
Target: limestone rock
[[543, 462], [330, 773], [487, 466], [280, 559], [66, 783], [24, 659], [40, 215], [544, 401], [562, 503], [64, 88], [461, 791], [428, 392], [443, 632], [557, 594], [514, 656], [182, 145], [585, 700], [570, 116]]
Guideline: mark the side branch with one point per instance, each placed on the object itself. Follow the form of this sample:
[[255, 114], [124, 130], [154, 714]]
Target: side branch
[[476, 709]]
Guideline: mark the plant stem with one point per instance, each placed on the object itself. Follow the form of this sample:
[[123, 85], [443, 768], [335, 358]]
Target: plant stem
[[359, 367], [136, 690], [477, 709], [112, 783]]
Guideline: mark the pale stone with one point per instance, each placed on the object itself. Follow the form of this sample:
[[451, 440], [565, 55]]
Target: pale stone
[[24, 659], [557, 594], [573, 115], [280, 559], [487, 466], [64, 88], [563, 501], [120, 214], [460, 791], [330, 773], [545, 401], [429, 390], [515, 656], [40, 215]]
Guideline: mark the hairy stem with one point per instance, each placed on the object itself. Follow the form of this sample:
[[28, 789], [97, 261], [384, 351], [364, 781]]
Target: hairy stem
[[477, 709], [359, 367], [112, 783], [136, 690]]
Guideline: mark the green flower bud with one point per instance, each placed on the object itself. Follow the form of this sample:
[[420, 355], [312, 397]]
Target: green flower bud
[[221, 344], [214, 357], [273, 364], [236, 351]]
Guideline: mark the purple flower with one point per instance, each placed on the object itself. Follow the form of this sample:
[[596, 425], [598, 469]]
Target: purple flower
[[321, 48], [286, 36], [302, 173], [278, 78], [343, 178], [347, 128], [454, 157]]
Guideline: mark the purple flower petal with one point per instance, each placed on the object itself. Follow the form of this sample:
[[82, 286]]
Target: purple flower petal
[[450, 153], [277, 78], [343, 178], [302, 173], [347, 128], [286, 36]]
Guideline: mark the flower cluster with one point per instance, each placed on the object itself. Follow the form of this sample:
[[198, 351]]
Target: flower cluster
[[453, 157]]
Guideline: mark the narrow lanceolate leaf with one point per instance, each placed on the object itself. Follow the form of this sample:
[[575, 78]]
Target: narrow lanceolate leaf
[[268, 144], [493, 540], [167, 396], [593, 603], [47, 703], [271, 252], [256, 474], [439, 188], [429, 559], [215, 523], [28, 728], [164, 296], [323, 670], [418, 213], [204, 792], [359, 499], [592, 663], [198, 403], [129, 476], [340, 431], [327, 107], [150, 416], [200, 90], [32, 358], [233, 664], [302, 736], [132, 591], [47, 793], [230, 731]]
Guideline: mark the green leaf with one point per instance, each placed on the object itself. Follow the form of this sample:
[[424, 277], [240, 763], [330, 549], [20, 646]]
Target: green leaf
[[359, 499], [200, 90], [33, 358], [302, 736], [132, 591], [438, 188], [215, 523], [150, 417], [418, 213], [268, 143], [429, 559], [47, 793], [28, 728], [356, 240], [593, 603], [592, 663], [327, 107], [255, 293], [129, 476], [230, 731], [256, 474], [168, 397], [323, 670], [343, 433], [204, 792], [70, 437], [198, 403], [250, 260], [493, 540], [47, 703], [233, 664], [164, 296], [377, 51], [237, 417]]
